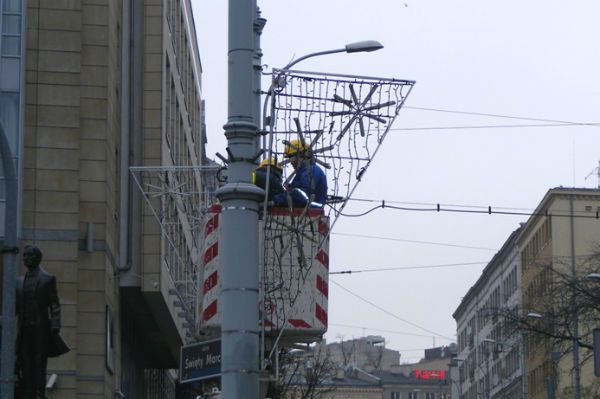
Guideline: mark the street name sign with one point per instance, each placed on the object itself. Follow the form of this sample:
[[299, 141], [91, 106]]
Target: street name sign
[[200, 361]]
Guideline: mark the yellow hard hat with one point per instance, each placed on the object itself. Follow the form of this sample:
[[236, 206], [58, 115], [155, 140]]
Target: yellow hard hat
[[293, 147], [270, 161]]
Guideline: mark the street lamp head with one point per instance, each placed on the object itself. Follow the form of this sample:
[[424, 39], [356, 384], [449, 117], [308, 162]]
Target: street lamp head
[[364, 46], [594, 276], [534, 315], [454, 361]]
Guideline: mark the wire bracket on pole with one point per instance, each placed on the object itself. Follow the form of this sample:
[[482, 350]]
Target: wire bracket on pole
[[239, 208], [243, 371], [222, 158], [239, 331], [10, 250], [232, 158], [242, 289]]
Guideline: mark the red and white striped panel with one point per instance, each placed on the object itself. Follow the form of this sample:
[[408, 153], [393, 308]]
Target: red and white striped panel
[[210, 257], [308, 315]]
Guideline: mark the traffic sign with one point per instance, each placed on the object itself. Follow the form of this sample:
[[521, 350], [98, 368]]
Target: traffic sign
[[200, 361]]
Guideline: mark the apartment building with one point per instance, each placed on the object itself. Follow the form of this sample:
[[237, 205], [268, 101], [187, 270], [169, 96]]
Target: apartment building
[[88, 90], [556, 246], [489, 351]]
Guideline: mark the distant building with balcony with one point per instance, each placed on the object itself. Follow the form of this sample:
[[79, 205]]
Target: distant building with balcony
[[489, 361], [354, 383], [89, 89], [353, 374], [367, 353]]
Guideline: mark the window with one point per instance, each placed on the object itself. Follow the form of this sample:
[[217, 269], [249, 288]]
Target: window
[[11, 31], [429, 395], [395, 395], [413, 395]]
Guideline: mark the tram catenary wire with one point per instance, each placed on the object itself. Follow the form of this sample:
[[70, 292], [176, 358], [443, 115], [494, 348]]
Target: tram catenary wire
[[388, 312]]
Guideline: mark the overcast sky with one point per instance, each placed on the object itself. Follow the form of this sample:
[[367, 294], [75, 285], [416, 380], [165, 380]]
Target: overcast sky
[[532, 59]]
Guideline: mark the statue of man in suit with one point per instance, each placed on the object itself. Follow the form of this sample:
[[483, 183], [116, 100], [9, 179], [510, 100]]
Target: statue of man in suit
[[38, 309]]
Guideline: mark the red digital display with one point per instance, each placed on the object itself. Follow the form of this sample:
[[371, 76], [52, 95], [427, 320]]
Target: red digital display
[[430, 374]]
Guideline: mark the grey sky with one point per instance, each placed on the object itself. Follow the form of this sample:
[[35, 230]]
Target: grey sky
[[536, 59]]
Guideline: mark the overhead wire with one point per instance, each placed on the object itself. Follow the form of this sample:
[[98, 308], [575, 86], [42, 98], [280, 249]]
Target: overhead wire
[[485, 208], [516, 126], [549, 122], [390, 313], [490, 211], [387, 269], [383, 330], [587, 256], [435, 204], [523, 118], [442, 244]]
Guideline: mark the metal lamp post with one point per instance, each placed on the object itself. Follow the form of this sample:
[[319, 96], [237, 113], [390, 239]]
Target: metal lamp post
[[574, 305], [595, 277], [240, 200], [239, 216]]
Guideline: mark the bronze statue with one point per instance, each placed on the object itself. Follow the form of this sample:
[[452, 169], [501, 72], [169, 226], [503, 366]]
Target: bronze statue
[[38, 336]]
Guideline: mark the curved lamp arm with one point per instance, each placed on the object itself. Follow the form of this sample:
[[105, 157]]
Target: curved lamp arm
[[357, 47]]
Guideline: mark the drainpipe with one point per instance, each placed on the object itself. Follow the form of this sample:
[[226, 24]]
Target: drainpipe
[[123, 265], [136, 98]]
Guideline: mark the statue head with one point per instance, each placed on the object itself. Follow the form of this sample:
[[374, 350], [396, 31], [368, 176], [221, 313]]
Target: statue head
[[32, 256]]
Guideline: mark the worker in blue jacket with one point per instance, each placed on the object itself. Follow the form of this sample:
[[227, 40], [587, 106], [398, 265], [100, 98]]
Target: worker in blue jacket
[[309, 185]]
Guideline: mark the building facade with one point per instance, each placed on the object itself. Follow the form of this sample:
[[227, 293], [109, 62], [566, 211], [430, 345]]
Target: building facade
[[558, 246], [89, 90], [490, 347]]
